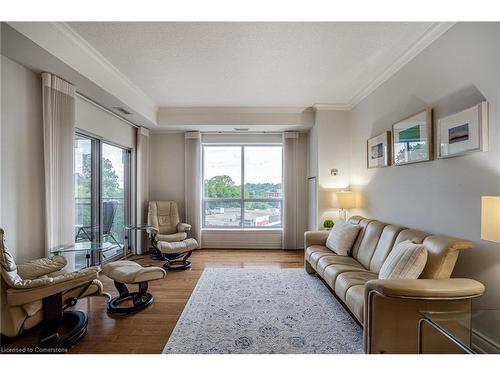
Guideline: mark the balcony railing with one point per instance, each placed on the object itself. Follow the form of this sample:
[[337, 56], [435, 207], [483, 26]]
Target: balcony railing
[[83, 215]]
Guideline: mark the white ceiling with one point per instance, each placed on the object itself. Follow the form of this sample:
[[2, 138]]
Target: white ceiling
[[252, 64]]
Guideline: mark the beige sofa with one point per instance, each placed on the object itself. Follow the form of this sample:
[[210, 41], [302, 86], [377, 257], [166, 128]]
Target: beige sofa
[[389, 310]]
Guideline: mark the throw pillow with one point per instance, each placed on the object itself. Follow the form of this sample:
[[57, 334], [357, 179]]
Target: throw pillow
[[342, 237], [406, 261]]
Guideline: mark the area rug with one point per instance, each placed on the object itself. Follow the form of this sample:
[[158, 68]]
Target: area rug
[[263, 310]]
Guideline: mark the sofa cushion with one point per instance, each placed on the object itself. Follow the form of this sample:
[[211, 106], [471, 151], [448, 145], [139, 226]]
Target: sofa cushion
[[413, 235], [406, 261], [342, 237], [315, 252], [369, 242], [328, 260], [363, 223], [349, 279], [331, 272], [355, 300], [315, 248], [384, 246]]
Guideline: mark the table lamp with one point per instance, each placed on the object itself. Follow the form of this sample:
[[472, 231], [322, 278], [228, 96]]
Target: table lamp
[[346, 200], [490, 219]]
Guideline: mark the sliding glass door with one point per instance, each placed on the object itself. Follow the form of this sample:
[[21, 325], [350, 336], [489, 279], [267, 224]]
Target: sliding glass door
[[102, 195], [114, 197], [86, 194]]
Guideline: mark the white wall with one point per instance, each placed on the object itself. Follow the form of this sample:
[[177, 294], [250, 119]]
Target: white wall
[[329, 149], [95, 120], [22, 178], [166, 168], [443, 196]]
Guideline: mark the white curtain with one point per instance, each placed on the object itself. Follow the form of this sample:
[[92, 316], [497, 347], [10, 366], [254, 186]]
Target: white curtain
[[58, 101], [193, 176], [296, 205], [290, 155], [142, 188]]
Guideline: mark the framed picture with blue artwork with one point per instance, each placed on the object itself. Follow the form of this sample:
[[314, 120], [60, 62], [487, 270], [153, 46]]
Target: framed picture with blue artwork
[[463, 132], [412, 139], [378, 150]]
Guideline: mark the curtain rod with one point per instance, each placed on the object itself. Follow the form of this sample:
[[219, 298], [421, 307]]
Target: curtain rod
[[87, 99]]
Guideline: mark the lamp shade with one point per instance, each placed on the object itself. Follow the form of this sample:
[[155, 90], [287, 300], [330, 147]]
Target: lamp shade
[[490, 219], [346, 199]]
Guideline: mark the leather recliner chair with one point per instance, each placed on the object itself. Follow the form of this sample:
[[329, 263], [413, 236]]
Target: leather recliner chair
[[169, 235], [38, 292]]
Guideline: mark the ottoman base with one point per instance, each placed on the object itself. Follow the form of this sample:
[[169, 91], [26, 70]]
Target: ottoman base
[[140, 300], [173, 263], [126, 272], [175, 254]]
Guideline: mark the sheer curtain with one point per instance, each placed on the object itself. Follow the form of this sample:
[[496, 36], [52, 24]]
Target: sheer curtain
[[290, 155], [58, 102], [295, 203], [193, 181], [142, 188]]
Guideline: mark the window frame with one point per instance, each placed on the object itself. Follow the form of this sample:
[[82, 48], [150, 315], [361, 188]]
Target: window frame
[[242, 199]]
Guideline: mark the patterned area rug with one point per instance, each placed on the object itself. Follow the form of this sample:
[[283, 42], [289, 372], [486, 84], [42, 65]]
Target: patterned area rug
[[263, 310]]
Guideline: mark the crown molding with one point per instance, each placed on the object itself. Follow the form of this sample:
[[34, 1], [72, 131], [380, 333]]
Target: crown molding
[[331, 107], [64, 29], [432, 34], [233, 110]]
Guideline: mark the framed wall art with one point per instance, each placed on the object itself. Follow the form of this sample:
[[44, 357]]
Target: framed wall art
[[378, 150], [463, 132], [412, 139]]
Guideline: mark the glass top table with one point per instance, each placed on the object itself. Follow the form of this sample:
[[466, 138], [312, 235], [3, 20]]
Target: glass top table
[[87, 247], [137, 226], [134, 227], [475, 332]]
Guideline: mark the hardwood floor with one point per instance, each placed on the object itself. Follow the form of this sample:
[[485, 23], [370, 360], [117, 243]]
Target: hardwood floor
[[149, 330]]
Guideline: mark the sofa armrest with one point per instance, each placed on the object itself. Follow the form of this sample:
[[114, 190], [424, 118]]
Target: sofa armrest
[[39, 267], [183, 227], [315, 238], [426, 288], [35, 290], [392, 309]]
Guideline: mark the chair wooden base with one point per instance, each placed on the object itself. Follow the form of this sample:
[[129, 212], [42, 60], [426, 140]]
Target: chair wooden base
[[173, 263], [140, 299], [78, 320]]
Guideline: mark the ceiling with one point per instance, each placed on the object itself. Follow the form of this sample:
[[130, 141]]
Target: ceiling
[[193, 64]]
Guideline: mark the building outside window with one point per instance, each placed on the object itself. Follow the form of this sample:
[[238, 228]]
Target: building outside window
[[242, 186]]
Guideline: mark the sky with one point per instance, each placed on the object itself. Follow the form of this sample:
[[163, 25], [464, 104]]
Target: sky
[[262, 163]]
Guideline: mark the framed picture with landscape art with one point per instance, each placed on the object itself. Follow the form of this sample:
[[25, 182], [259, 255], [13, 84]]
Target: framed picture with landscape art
[[378, 150], [412, 139], [463, 132]]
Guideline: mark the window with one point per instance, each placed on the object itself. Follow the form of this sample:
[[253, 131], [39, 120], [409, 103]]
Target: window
[[242, 186], [102, 195]]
